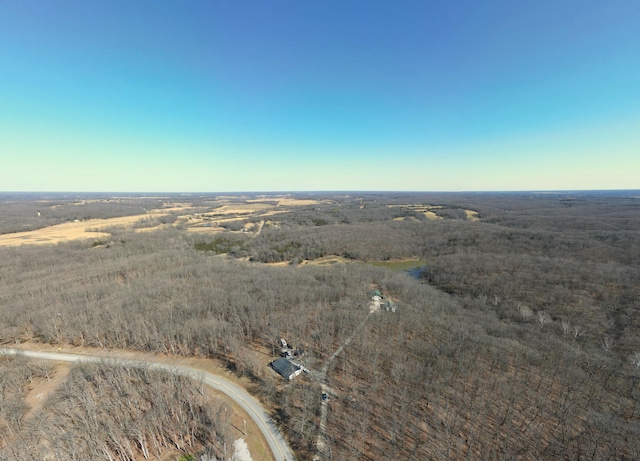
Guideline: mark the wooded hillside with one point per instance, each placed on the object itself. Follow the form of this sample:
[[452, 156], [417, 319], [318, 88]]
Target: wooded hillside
[[520, 339]]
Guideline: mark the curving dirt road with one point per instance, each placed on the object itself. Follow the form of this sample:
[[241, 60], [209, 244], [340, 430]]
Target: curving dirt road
[[276, 442]]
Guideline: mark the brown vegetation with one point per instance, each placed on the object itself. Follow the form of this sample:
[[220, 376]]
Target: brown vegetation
[[517, 341], [101, 412]]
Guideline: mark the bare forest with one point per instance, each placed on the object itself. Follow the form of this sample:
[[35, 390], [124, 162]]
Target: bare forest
[[103, 412], [516, 338]]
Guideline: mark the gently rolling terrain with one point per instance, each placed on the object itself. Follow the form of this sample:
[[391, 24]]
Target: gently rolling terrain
[[516, 338]]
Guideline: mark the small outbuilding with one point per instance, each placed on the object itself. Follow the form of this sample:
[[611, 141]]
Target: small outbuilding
[[390, 306], [286, 368]]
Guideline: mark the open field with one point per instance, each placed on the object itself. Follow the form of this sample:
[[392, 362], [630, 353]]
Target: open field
[[516, 336], [202, 221], [89, 229], [286, 201]]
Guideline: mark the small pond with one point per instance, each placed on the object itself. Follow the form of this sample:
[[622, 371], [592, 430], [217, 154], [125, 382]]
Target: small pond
[[413, 267]]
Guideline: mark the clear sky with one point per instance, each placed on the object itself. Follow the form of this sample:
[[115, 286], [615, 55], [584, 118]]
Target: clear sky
[[283, 95]]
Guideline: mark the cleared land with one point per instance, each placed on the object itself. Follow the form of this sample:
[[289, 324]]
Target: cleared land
[[89, 229], [204, 221]]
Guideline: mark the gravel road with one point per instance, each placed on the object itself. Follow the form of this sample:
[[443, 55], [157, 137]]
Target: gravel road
[[276, 442]]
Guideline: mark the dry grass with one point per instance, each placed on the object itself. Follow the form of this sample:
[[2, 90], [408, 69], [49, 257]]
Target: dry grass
[[171, 209], [273, 212], [406, 218], [326, 261], [432, 215], [240, 208], [286, 201], [206, 230], [471, 215], [296, 202], [151, 229], [279, 264], [425, 209], [417, 207], [89, 229], [205, 223]]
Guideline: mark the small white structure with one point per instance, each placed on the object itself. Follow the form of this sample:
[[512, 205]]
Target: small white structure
[[374, 306], [378, 305]]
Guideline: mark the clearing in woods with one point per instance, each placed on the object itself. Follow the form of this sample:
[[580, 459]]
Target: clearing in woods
[[91, 228], [207, 222]]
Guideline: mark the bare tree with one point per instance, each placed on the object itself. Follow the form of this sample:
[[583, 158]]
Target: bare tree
[[606, 343], [525, 312], [635, 361], [543, 319], [577, 332]]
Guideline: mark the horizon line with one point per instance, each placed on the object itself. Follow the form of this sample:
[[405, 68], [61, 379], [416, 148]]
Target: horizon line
[[327, 191]]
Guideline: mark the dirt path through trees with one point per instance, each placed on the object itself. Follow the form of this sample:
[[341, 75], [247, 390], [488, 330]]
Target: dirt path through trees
[[326, 390]]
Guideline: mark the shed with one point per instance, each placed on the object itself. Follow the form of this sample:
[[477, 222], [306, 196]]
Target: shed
[[390, 306], [286, 368]]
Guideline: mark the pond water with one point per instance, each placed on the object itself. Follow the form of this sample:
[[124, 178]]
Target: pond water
[[412, 267], [415, 272]]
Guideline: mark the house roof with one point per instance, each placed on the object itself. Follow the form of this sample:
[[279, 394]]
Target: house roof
[[285, 367]]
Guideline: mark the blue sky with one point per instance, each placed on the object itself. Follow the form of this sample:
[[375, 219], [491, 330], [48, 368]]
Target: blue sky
[[326, 95]]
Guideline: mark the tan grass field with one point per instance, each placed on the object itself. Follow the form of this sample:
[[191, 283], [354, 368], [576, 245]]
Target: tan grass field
[[240, 208], [327, 261], [406, 218], [426, 209], [89, 229], [278, 264], [152, 229], [206, 230], [324, 261], [431, 215], [94, 228], [296, 202], [472, 215], [170, 209], [273, 212], [286, 201], [197, 222]]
